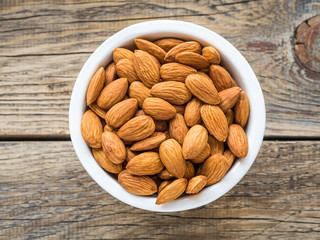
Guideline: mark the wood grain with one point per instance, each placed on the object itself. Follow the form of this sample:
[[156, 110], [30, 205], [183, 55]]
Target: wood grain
[[46, 194], [44, 45]]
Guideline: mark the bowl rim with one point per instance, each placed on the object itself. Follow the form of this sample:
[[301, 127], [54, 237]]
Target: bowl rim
[[237, 65]]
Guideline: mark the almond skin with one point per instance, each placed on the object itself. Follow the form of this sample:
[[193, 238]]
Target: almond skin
[[122, 112], [230, 116], [237, 141], [107, 128], [202, 88], [229, 156], [122, 53], [172, 91], [168, 43], [138, 185], [129, 154], [214, 168], [215, 145], [137, 128], [112, 93], [97, 110], [178, 129], [191, 46], [111, 73], [163, 185], [175, 72], [95, 86], [161, 125], [179, 108], [158, 108], [211, 54], [194, 142], [172, 158], [146, 67], [139, 91], [172, 191], [113, 147], [165, 175], [151, 48], [203, 155], [192, 59], [190, 172], [241, 110], [196, 184], [192, 112], [104, 162], [125, 69], [139, 113], [147, 163], [149, 143], [215, 121], [228, 98], [91, 129], [221, 78]]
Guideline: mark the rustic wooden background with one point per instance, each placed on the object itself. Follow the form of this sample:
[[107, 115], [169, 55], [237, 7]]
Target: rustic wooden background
[[46, 194]]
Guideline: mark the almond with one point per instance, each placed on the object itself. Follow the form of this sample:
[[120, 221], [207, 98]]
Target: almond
[[151, 48], [190, 172], [237, 141], [175, 72], [194, 142], [147, 163], [146, 67], [241, 110], [178, 129], [229, 156], [192, 112], [111, 73], [107, 128], [91, 129], [215, 121], [137, 128], [139, 185], [122, 53], [163, 185], [221, 78], [203, 155], [167, 43], [165, 174], [172, 191], [214, 168], [122, 112], [139, 91], [129, 154], [230, 116], [215, 145], [172, 91], [211, 54], [112, 93], [179, 108], [97, 110], [228, 98], [95, 86], [104, 162], [113, 147], [172, 158], [202, 88], [196, 184], [139, 113], [191, 46], [161, 125], [192, 59], [158, 108], [125, 69], [149, 143]]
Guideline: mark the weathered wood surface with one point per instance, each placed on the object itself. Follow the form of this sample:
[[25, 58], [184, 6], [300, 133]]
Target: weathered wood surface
[[46, 194], [44, 45]]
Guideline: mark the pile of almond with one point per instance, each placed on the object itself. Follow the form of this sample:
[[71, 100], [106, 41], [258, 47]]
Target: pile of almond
[[166, 118]]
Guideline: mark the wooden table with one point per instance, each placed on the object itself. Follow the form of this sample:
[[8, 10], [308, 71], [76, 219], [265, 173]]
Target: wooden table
[[45, 193]]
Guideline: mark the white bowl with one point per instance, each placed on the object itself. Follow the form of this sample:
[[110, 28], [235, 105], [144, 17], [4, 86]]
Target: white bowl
[[231, 58]]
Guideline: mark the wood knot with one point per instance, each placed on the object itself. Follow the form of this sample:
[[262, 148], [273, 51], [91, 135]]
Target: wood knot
[[307, 44]]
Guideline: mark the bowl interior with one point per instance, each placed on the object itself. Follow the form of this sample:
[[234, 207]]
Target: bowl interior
[[231, 59]]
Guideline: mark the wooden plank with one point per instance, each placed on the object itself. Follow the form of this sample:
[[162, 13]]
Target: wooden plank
[[43, 47], [46, 193]]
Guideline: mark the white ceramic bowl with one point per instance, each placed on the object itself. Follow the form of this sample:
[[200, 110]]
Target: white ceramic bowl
[[231, 58]]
